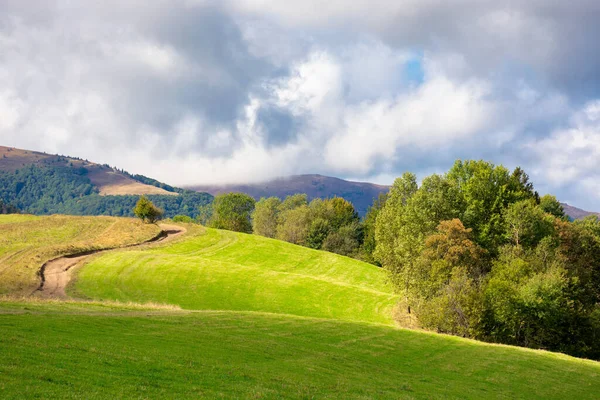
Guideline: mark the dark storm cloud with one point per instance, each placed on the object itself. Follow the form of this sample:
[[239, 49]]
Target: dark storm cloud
[[280, 126]]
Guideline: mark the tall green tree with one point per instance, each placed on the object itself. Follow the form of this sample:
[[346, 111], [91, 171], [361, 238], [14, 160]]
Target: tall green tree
[[294, 225], [232, 211], [550, 205], [205, 213], [369, 222], [396, 245], [265, 216], [527, 224], [293, 201], [486, 190]]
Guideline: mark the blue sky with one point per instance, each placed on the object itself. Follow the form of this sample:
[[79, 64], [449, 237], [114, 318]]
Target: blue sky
[[202, 91]]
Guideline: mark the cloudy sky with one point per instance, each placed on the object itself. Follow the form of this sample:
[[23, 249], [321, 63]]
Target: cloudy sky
[[234, 91]]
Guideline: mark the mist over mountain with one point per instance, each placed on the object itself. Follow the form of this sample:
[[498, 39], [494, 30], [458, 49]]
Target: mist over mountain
[[360, 194]]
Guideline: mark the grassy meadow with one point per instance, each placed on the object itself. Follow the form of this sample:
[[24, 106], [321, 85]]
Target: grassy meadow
[[94, 351], [222, 270], [28, 241], [217, 314]]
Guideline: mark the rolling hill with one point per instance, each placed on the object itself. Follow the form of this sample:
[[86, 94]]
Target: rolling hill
[[28, 241], [221, 270], [239, 316], [108, 180], [361, 194], [39, 183], [99, 351]]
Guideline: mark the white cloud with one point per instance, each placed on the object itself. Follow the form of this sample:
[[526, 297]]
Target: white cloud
[[179, 90], [572, 155], [355, 135]]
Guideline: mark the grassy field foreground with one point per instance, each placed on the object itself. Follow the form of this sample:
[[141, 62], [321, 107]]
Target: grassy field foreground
[[106, 351], [221, 270], [28, 241]]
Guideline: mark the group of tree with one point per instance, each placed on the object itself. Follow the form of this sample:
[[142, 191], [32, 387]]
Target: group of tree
[[477, 253], [327, 224]]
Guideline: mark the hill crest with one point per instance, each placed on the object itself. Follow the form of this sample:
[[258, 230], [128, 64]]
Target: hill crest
[[108, 180]]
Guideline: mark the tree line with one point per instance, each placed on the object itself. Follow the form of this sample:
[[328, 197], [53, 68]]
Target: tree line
[[325, 224], [476, 252]]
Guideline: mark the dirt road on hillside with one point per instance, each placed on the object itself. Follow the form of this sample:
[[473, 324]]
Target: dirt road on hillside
[[56, 274]]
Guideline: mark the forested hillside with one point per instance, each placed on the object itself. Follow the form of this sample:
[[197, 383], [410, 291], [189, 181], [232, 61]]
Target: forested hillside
[[38, 183]]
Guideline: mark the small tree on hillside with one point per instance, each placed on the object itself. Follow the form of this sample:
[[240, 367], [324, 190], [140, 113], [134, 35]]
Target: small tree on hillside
[[146, 211]]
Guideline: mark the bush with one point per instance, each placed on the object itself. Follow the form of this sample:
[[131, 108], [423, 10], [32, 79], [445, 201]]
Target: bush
[[183, 218]]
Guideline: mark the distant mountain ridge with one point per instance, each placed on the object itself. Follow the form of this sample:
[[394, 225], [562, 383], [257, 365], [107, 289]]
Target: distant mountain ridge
[[41, 183], [577, 213], [108, 180], [112, 191], [360, 194]]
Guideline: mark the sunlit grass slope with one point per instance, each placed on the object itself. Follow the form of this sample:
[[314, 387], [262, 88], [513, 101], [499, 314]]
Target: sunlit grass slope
[[100, 352], [26, 242], [221, 270]]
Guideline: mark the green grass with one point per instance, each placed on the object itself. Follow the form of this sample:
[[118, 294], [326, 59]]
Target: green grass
[[221, 270], [27, 242], [95, 351], [276, 321]]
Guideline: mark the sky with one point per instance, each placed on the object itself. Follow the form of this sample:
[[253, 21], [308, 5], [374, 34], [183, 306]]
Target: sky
[[197, 92]]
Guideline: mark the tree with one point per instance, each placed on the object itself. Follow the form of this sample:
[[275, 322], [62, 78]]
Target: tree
[[409, 216], [390, 222], [550, 205], [369, 243], [448, 271], [328, 217], [7, 208], [527, 224], [342, 212], [205, 213], [486, 190], [345, 240], [265, 216], [318, 231], [146, 211], [528, 305], [294, 225], [293, 201], [232, 211]]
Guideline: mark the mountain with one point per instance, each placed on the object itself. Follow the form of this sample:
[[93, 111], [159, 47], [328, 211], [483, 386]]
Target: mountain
[[361, 194], [108, 180], [40, 183], [577, 213]]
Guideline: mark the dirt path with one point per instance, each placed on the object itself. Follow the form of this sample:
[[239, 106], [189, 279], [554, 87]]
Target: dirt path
[[56, 274]]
